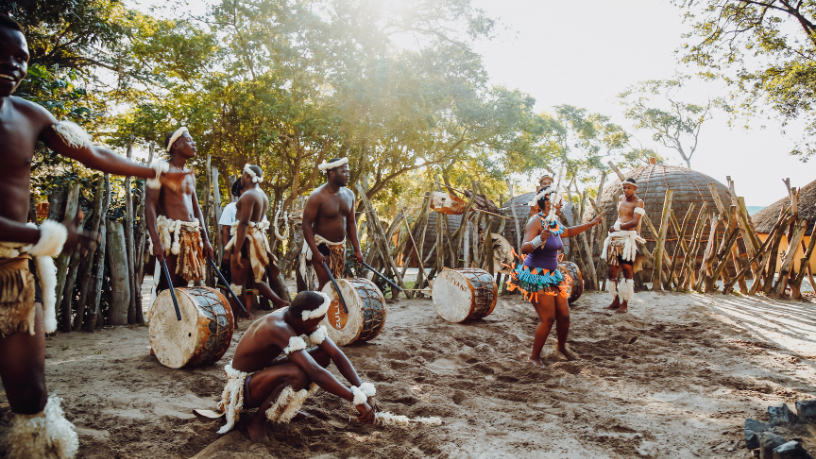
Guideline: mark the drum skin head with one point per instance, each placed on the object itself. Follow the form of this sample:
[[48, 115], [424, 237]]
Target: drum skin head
[[462, 294], [366, 316], [202, 335]]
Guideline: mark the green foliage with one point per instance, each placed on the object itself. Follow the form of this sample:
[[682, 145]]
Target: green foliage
[[764, 49], [656, 105]]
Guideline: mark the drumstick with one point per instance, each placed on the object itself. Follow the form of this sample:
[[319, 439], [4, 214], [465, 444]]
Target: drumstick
[[172, 289], [336, 288], [381, 275], [227, 284]]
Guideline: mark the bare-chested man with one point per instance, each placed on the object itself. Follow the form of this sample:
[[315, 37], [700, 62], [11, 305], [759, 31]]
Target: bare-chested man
[[27, 272], [174, 221], [328, 221], [282, 359], [254, 254], [620, 247]]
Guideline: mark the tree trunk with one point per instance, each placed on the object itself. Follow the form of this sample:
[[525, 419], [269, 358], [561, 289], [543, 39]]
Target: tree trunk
[[87, 265], [120, 280], [96, 281], [219, 244], [56, 204], [71, 207]]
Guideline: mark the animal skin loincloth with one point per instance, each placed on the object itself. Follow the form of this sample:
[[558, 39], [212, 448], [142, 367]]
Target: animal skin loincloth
[[259, 252], [336, 260], [182, 239]]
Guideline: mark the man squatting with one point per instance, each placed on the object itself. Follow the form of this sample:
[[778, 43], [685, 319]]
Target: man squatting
[[281, 360], [620, 246], [250, 226], [27, 272], [328, 220]]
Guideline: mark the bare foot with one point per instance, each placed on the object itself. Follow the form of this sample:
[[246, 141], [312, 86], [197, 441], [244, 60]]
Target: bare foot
[[251, 316], [568, 354], [256, 431], [622, 309], [536, 361], [152, 352], [615, 304]]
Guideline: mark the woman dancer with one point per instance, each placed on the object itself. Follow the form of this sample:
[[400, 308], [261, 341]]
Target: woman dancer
[[538, 276]]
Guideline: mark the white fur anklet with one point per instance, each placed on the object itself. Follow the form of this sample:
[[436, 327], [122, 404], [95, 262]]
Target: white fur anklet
[[626, 290], [236, 289], [52, 237], [43, 435], [362, 393], [612, 287]]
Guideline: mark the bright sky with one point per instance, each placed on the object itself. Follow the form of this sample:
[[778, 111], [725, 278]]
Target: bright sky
[[584, 53]]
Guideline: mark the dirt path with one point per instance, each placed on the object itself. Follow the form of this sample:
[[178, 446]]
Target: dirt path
[[675, 378]]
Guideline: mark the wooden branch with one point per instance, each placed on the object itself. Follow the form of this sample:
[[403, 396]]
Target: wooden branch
[[681, 241], [617, 171], [661, 240]]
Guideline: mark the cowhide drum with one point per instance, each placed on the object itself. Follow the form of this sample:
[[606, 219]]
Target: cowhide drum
[[203, 334], [366, 311], [463, 294], [570, 269]]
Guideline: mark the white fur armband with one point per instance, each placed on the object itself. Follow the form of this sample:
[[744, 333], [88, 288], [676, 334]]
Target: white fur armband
[[319, 335], [319, 312], [536, 242], [640, 211], [52, 238], [368, 389], [296, 343], [73, 135], [359, 396], [160, 167], [617, 225]]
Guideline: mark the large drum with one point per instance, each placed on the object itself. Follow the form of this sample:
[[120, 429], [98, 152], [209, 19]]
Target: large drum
[[462, 294], [366, 311], [570, 269], [203, 334]]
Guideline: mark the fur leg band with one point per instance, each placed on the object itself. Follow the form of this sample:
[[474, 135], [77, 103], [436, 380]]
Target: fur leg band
[[52, 238], [612, 287], [236, 289], [626, 290], [73, 135], [288, 403], [232, 398], [43, 435]]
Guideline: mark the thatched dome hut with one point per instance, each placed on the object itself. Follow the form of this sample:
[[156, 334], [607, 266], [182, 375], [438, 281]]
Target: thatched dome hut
[[765, 219], [520, 203], [653, 180]]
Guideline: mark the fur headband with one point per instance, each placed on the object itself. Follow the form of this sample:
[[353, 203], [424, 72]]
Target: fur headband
[[179, 132], [319, 312], [555, 199], [326, 166], [255, 178]]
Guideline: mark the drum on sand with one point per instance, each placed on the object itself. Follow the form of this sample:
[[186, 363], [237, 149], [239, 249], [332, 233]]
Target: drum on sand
[[366, 311], [463, 294], [570, 269], [203, 334]]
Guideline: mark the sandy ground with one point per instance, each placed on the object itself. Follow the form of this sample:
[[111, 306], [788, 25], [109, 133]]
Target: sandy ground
[[675, 378]]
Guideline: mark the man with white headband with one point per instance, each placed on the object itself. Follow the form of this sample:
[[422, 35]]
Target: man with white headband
[[281, 360], [252, 258], [38, 427], [174, 221], [328, 221], [620, 246]]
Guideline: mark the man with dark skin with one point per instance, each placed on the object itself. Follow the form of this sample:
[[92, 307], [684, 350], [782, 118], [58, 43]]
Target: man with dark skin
[[630, 213], [328, 220], [250, 211], [22, 353], [270, 360], [177, 202]]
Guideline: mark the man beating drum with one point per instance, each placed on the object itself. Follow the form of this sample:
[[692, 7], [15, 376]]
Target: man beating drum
[[328, 220], [178, 235], [299, 351], [253, 254]]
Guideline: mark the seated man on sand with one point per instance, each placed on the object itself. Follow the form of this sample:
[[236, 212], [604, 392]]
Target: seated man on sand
[[281, 360]]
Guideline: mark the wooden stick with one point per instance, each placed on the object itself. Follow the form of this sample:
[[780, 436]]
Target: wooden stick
[[413, 242], [690, 260], [659, 249], [681, 242], [617, 171]]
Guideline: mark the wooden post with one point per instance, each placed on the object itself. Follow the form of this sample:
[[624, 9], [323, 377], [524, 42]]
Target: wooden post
[[690, 261], [87, 267], [681, 241], [219, 244], [793, 245], [120, 282], [68, 289], [71, 208], [661, 239], [416, 249], [617, 171], [129, 246]]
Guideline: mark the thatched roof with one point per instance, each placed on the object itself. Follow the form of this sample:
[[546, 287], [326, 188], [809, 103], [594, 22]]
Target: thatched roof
[[653, 180], [765, 218], [522, 207]]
